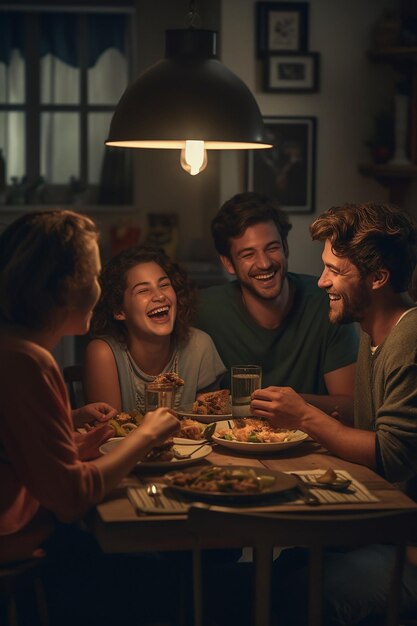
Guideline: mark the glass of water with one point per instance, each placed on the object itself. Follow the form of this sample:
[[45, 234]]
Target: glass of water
[[245, 379], [159, 394]]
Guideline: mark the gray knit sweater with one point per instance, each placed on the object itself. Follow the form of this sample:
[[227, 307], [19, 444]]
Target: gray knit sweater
[[386, 398]]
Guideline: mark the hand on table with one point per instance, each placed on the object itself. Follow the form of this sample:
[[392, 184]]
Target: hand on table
[[282, 406], [92, 413], [89, 442]]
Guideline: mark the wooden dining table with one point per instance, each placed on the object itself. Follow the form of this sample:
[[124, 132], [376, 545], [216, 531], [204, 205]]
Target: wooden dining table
[[120, 528]]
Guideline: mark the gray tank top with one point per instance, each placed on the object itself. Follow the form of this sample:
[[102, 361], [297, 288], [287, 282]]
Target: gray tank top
[[197, 362]]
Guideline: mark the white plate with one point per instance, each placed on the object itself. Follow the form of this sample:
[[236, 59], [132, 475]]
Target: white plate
[[259, 448], [186, 411], [183, 441], [173, 464]]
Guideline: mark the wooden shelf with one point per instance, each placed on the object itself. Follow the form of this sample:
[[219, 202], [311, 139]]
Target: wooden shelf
[[388, 170], [395, 177], [394, 55]]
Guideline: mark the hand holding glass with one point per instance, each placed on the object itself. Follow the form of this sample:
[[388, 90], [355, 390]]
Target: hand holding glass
[[245, 379]]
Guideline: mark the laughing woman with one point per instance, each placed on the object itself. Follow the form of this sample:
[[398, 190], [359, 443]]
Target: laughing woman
[[141, 326]]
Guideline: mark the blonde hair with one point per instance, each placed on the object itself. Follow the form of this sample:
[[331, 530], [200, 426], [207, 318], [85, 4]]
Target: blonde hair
[[42, 256]]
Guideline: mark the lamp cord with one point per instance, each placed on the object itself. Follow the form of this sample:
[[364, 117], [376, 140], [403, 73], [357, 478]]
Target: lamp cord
[[193, 18]]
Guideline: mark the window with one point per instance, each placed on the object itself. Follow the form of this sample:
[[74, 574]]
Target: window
[[61, 75]]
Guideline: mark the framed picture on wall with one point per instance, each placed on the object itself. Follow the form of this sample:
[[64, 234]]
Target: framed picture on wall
[[286, 172], [282, 27], [292, 73]]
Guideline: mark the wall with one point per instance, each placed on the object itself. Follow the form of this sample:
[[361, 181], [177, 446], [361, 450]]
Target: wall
[[352, 89]]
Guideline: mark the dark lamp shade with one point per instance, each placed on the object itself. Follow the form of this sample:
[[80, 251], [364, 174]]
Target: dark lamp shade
[[189, 95]]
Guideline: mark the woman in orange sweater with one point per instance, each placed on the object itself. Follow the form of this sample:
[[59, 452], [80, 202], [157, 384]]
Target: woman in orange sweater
[[49, 265]]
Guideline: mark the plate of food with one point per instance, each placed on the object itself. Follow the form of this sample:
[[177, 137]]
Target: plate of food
[[166, 456], [230, 483], [191, 431], [256, 436], [212, 406]]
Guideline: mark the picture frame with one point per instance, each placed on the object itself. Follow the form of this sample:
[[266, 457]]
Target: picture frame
[[292, 73], [286, 172], [282, 27]]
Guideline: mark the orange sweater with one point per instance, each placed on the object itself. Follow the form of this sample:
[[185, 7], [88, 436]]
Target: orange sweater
[[39, 464]]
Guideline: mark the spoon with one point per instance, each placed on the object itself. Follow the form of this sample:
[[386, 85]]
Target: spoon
[[330, 480], [154, 492]]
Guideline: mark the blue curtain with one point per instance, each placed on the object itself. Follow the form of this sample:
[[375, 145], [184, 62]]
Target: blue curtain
[[11, 35], [59, 35]]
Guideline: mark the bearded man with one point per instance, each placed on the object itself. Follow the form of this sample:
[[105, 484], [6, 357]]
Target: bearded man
[[370, 253], [271, 317]]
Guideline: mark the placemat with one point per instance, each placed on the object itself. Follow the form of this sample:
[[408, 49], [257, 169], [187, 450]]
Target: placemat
[[167, 503], [357, 492]]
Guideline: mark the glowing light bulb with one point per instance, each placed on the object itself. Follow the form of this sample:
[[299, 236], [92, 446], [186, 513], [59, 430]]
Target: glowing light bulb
[[193, 157]]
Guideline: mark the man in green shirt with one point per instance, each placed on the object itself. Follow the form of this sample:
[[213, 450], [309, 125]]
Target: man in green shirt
[[271, 317]]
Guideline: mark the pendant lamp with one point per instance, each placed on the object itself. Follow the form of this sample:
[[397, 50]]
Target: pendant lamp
[[188, 101]]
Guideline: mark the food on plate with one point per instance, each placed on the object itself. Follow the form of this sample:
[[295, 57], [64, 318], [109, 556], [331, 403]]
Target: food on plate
[[190, 429], [255, 431], [170, 378], [329, 476], [124, 423], [212, 403], [223, 479], [160, 453]]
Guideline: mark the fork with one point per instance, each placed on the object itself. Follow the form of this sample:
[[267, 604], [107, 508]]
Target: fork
[[180, 456], [308, 497]]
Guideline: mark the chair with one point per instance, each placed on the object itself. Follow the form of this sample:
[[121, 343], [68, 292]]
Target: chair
[[316, 532], [73, 376], [19, 579]]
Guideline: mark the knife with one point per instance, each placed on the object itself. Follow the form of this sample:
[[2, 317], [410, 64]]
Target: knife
[[308, 497]]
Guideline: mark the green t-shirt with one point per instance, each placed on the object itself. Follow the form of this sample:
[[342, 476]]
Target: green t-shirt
[[297, 354]]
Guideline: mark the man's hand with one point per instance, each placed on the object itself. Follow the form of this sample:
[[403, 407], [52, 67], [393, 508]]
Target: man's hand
[[92, 413], [282, 406]]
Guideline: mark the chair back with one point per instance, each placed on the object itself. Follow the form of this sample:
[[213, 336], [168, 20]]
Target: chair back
[[19, 582], [264, 531], [73, 376]]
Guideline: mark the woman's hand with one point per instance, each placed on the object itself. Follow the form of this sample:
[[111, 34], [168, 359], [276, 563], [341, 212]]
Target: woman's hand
[[159, 425], [92, 413], [88, 443], [282, 406]]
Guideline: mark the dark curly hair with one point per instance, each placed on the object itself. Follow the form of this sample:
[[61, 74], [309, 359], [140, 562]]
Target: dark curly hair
[[113, 285], [244, 210], [372, 236]]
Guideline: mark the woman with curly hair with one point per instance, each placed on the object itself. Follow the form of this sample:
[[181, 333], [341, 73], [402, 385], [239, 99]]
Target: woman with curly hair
[[142, 328]]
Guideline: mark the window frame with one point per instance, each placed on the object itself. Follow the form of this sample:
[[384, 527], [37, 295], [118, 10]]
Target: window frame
[[33, 108]]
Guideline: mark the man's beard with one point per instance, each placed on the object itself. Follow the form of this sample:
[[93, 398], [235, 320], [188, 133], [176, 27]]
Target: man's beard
[[352, 309], [250, 284]]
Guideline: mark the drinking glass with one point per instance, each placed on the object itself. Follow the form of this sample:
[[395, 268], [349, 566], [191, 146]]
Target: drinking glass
[[159, 394], [245, 379]]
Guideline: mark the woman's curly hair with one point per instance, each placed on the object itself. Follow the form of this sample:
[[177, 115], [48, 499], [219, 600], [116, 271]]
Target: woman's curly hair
[[113, 285]]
